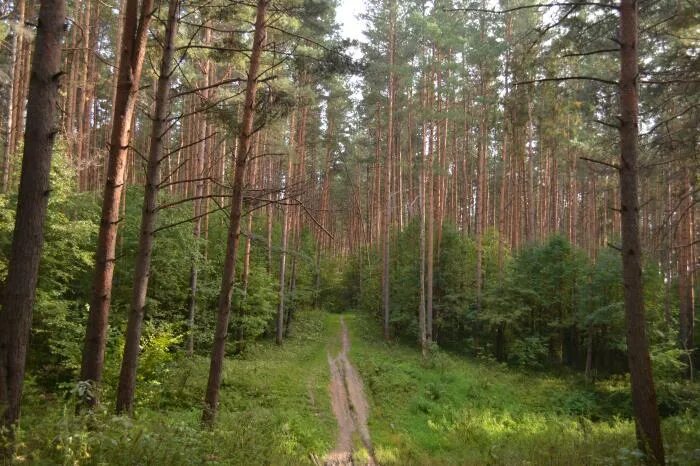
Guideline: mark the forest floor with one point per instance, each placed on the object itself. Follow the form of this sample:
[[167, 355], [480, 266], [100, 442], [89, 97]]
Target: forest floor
[[278, 403], [452, 410], [349, 406]]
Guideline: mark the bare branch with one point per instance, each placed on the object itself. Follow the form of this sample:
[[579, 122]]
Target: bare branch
[[535, 6], [189, 199], [316, 221], [592, 52], [567, 78], [192, 219], [671, 81], [609, 165], [605, 123], [179, 148]]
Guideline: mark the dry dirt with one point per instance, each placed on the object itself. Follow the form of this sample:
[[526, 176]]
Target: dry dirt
[[349, 406]]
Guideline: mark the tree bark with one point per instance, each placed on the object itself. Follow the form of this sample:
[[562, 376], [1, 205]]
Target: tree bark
[[429, 217], [28, 237], [643, 392], [127, 376], [481, 187], [422, 327], [286, 220], [245, 278], [133, 49], [11, 130], [211, 399], [686, 311], [199, 210], [386, 283]]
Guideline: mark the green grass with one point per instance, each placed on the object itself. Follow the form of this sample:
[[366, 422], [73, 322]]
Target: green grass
[[274, 410], [449, 410]]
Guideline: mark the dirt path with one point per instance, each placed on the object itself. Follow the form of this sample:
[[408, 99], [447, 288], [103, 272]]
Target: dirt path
[[349, 406]]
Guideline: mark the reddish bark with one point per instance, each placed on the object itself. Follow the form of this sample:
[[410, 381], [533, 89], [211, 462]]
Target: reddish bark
[[211, 399], [646, 411], [388, 175], [133, 49], [28, 237], [127, 376]]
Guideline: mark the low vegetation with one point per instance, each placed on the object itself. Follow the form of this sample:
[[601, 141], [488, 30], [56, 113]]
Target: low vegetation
[[274, 410], [448, 410]]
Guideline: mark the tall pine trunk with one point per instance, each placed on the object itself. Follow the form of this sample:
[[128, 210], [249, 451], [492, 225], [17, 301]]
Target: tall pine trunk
[[11, 130], [28, 237], [127, 376], [386, 282], [200, 208], [133, 49], [686, 262], [286, 220], [429, 217], [646, 411], [422, 324], [211, 399]]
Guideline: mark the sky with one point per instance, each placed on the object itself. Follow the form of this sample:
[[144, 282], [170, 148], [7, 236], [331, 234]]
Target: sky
[[347, 15], [351, 27]]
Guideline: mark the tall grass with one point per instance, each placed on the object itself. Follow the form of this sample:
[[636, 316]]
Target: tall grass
[[274, 410], [448, 410]]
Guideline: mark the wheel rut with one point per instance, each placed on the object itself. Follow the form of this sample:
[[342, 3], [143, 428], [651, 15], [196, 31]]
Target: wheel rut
[[350, 407]]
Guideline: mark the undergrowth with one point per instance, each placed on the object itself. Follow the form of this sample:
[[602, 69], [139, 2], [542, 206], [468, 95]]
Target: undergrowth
[[442, 410], [448, 410], [274, 410]]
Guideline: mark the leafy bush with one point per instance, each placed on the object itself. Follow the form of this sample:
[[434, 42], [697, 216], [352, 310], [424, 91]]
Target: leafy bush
[[529, 351]]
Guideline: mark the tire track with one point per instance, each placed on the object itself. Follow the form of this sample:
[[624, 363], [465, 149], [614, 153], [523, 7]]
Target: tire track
[[349, 405]]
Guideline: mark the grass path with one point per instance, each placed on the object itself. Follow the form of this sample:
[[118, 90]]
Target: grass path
[[350, 407], [276, 410]]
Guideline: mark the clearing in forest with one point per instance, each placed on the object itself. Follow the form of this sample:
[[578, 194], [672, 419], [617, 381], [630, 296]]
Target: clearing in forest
[[349, 406]]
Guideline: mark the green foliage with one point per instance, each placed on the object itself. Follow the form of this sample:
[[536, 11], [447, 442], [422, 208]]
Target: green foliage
[[540, 307], [7, 220], [257, 307], [362, 283], [537, 300], [405, 282], [274, 410], [70, 234], [65, 274], [449, 410], [174, 253], [157, 351], [529, 351]]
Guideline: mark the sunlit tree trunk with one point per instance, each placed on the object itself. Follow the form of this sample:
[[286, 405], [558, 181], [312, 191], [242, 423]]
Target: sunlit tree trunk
[[199, 209], [686, 312], [211, 399], [9, 144], [133, 50], [430, 227], [245, 275], [127, 376], [422, 324], [286, 225], [386, 226], [481, 201]]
